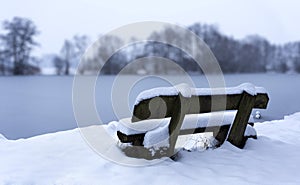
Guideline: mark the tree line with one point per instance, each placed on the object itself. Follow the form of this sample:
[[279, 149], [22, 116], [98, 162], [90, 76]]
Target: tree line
[[16, 46], [253, 54]]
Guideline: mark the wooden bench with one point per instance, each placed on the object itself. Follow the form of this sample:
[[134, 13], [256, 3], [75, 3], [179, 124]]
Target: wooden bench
[[176, 106]]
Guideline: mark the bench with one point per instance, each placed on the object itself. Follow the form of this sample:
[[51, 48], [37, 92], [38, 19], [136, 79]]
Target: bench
[[175, 103]]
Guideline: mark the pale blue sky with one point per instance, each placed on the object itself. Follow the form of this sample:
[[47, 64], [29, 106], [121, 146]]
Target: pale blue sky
[[277, 20]]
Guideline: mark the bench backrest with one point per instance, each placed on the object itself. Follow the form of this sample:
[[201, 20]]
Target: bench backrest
[[162, 106]]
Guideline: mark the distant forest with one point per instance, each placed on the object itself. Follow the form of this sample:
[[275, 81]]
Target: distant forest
[[253, 54]]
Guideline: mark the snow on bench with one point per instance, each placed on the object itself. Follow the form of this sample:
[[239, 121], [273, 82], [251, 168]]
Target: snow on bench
[[186, 91], [156, 130], [162, 114]]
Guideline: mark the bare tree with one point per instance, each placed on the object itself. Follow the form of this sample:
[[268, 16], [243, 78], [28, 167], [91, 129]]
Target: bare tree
[[81, 43], [297, 58], [2, 59], [297, 64], [67, 55], [19, 42], [71, 53], [58, 64], [99, 54]]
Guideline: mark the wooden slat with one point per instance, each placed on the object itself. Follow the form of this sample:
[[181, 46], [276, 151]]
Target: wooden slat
[[135, 139], [261, 101], [131, 138], [213, 129], [162, 106]]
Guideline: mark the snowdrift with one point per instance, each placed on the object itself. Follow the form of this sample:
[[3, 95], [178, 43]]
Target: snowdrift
[[65, 158]]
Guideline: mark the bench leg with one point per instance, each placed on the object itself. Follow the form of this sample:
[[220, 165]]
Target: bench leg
[[221, 134], [179, 111], [236, 135]]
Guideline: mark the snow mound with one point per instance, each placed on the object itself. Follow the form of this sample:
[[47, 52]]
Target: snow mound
[[199, 142], [186, 91], [190, 121], [65, 158], [158, 137]]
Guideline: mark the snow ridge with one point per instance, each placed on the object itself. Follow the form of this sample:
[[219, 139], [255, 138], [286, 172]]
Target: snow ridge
[[186, 91], [2, 137]]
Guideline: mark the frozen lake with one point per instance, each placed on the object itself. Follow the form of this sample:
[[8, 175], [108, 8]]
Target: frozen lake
[[36, 105]]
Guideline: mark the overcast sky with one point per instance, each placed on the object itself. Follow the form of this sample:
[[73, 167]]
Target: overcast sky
[[277, 20]]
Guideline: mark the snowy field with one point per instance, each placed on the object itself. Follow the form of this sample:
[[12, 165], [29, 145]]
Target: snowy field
[[37, 105], [64, 158]]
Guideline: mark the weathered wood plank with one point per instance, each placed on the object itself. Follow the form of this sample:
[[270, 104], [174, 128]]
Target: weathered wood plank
[[236, 134], [261, 101], [179, 111], [135, 139], [215, 129], [221, 134], [162, 106]]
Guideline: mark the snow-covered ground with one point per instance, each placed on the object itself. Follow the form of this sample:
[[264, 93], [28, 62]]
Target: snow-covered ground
[[65, 158]]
